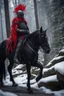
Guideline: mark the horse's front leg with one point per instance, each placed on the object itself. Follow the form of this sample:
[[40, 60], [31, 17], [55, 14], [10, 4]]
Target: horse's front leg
[[28, 67], [41, 69], [39, 65], [10, 73]]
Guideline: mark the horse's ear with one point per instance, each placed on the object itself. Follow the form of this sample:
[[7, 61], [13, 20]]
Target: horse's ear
[[41, 30]]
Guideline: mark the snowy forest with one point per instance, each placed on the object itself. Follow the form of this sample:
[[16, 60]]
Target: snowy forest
[[50, 15]]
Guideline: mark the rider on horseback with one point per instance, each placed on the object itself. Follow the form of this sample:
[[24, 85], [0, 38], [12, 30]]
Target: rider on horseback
[[19, 30]]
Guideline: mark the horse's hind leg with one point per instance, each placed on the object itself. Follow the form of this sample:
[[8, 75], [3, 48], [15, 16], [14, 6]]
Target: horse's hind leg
[[28, 67], [2, 71], [39, 65], [1, 74], [10, 73]]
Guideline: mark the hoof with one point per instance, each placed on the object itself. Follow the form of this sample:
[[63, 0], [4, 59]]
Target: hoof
[[37, 79], [15, 85], [30, 91]]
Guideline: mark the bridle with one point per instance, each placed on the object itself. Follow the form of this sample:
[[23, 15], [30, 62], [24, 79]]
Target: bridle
[[31, 48], [33, 45]]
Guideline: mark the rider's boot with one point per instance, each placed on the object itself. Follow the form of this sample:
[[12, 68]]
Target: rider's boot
[[17, 51]]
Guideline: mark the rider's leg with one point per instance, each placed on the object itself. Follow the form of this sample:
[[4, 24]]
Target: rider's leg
[[17, 50]]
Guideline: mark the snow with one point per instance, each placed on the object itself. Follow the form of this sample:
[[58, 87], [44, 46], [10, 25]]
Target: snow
[[49, 79], [6, 93], [59, 67], [56, 58], [16, 72], [7, 81], [48, 91], [47, 69], [18, 67], [62, 50], [21, 80]]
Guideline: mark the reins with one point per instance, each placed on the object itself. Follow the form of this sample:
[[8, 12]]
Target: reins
[[31, 48]]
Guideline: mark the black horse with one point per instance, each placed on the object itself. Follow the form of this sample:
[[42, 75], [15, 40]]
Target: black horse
[[28, 55]]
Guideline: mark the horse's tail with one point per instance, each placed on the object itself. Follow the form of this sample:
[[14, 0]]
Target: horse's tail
[[2, 60], [3, 70]]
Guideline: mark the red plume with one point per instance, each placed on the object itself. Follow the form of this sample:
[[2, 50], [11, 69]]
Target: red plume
[[20, 7]]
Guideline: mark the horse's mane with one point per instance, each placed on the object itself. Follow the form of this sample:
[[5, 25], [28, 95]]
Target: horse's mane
[[33, 33]]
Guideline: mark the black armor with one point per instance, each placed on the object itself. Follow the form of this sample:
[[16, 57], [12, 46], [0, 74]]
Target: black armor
[[20, 14], [22, 29]]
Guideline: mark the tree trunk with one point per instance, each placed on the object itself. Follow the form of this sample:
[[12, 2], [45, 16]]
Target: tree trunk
[[7, 18], [36, 14], [16, 3]]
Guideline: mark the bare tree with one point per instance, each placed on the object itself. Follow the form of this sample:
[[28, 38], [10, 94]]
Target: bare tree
[[1, 31], [36, 14], [7, 18], [16, 3]]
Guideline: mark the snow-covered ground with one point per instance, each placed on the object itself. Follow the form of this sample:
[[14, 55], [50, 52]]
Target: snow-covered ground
[[48, 91], [21, 80], [6, 93], [20, 77]]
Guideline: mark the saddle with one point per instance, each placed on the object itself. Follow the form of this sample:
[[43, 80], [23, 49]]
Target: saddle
[[20, 48], [22, 43]]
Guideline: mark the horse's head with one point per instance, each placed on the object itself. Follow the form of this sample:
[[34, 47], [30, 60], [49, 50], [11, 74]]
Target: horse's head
[[43, 40]]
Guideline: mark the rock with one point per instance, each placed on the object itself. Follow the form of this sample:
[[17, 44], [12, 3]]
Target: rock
[[54, 67], [61, 53], [55, 60], [49, 72], [51, 85], [60, 78]]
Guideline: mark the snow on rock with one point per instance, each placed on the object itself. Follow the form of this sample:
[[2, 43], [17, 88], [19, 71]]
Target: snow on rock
[[58, 58], [53, 73], [61, 50], [6, 93], [55, 65], [60, 67], [54, 61], [49, 79], [15, 72], [49, 71], [50, 82], [18, 67]]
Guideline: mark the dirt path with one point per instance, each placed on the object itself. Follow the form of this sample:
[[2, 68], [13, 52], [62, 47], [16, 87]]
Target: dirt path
[[22, 91]]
